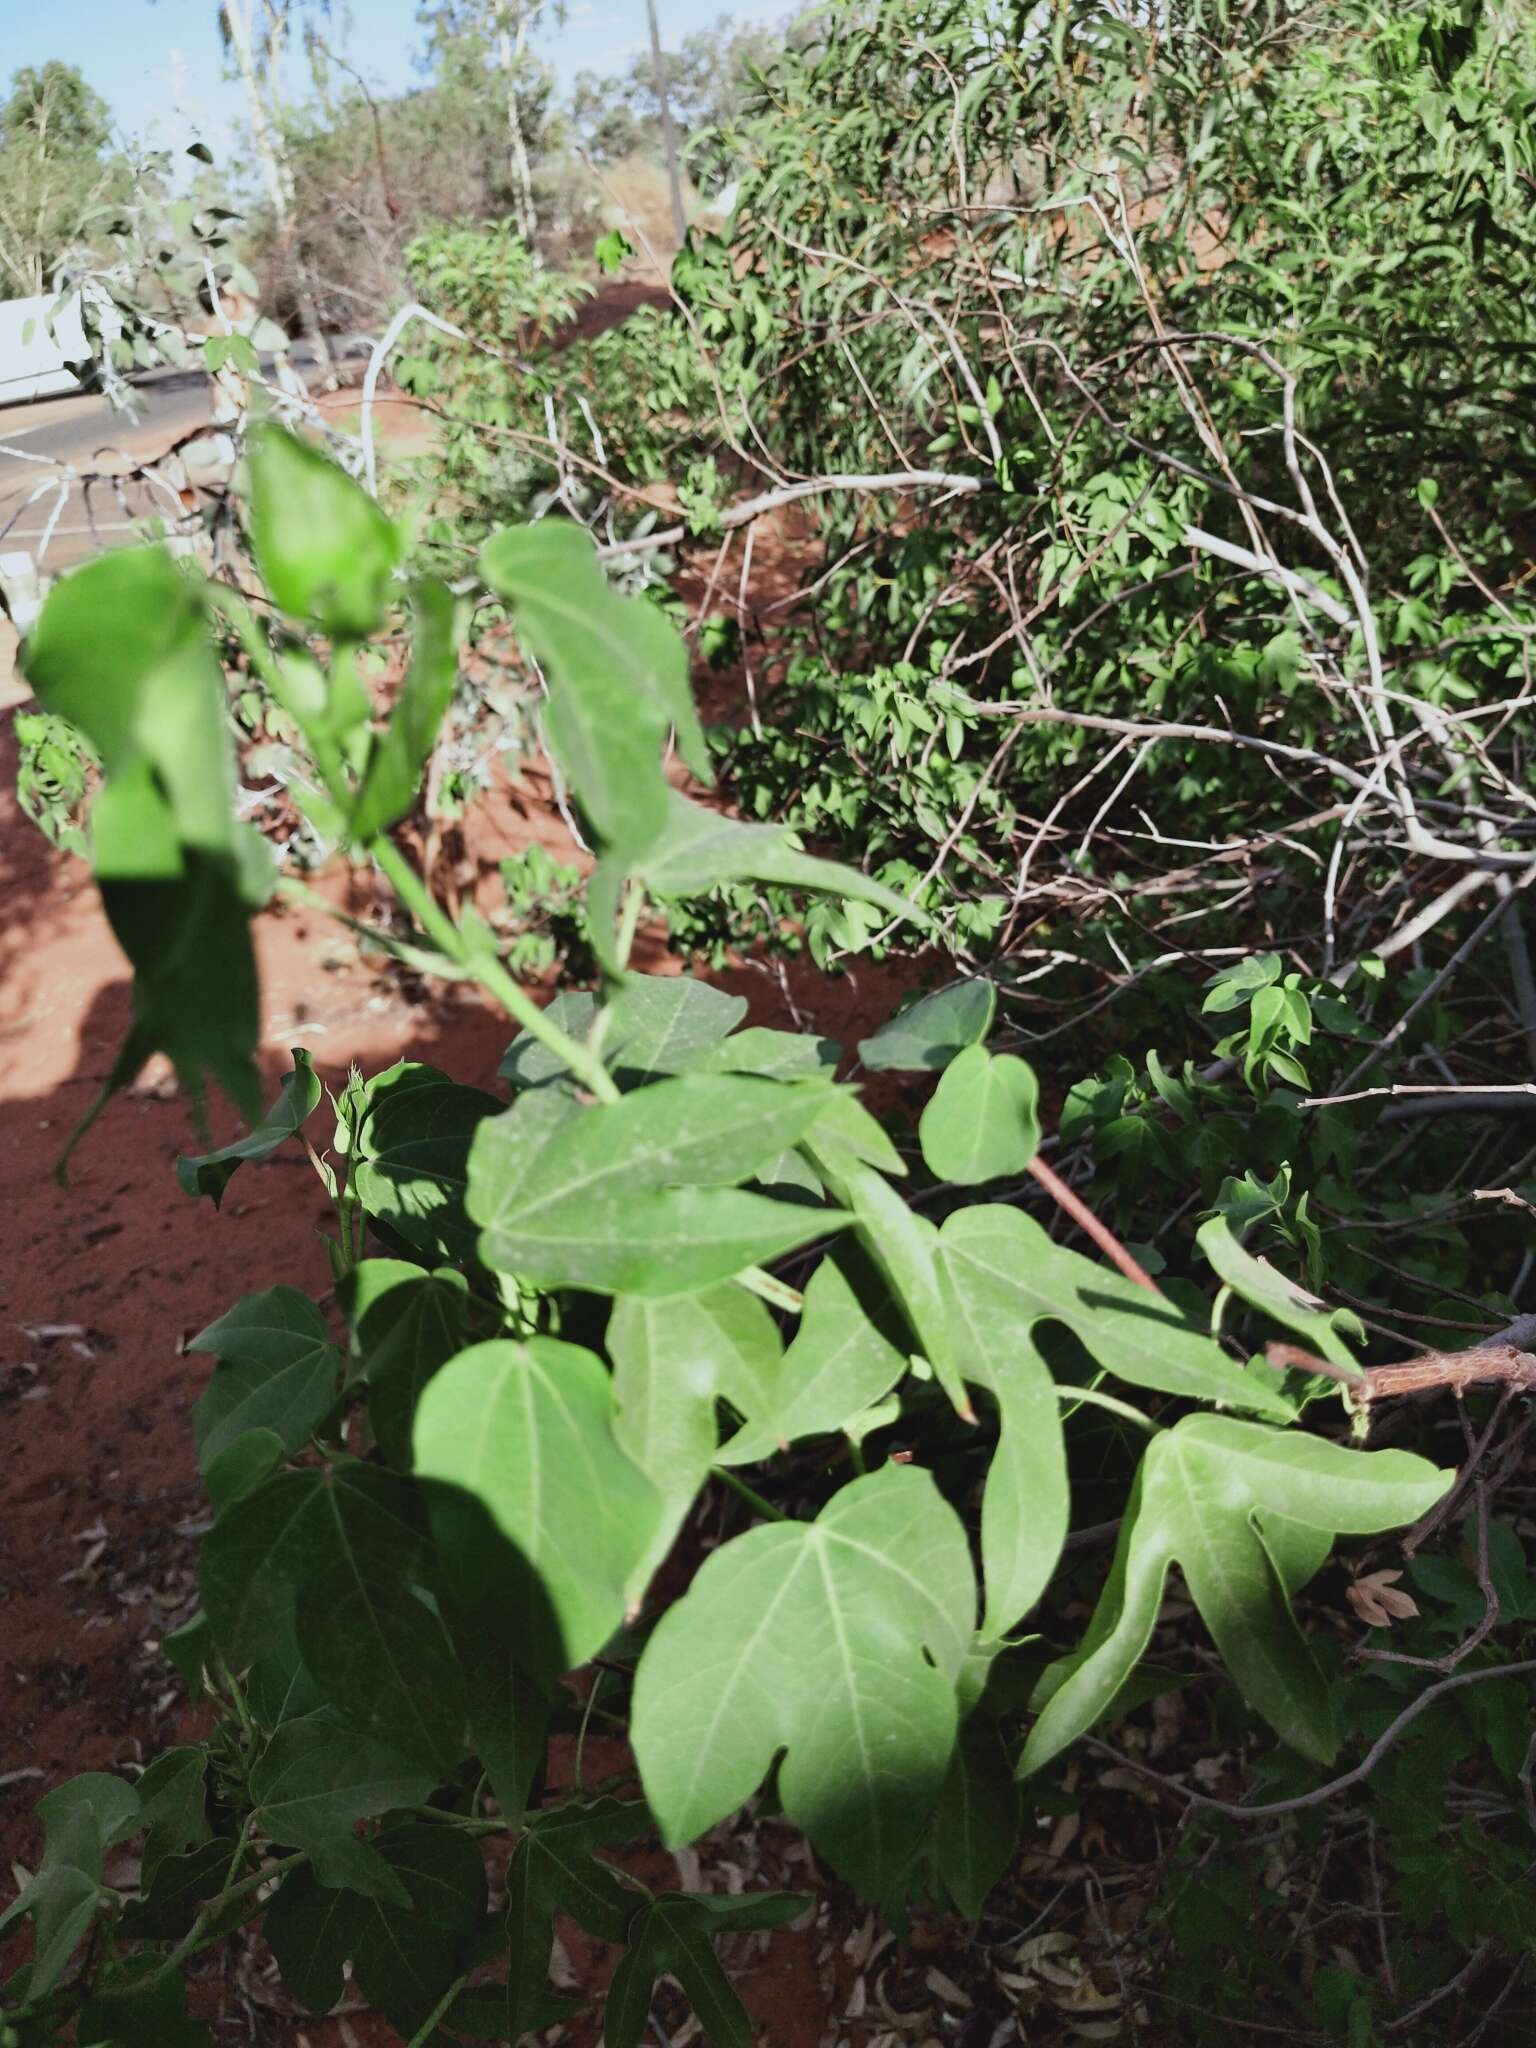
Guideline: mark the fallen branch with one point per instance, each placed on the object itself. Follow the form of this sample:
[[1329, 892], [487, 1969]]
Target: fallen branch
[[1482, 1365]]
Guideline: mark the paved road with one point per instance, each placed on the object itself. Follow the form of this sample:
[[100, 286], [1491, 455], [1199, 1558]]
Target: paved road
[[61, 462], [41, 444]]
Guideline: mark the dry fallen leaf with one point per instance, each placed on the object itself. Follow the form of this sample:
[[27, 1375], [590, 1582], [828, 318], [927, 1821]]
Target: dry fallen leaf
[[1378, 1600]]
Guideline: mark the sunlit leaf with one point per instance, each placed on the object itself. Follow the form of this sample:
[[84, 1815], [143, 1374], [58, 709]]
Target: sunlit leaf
[[673, 1359], [325, 550], [836, 1641], [1202, 1498], [983, 1121], [526, 1432], [611, 1196]]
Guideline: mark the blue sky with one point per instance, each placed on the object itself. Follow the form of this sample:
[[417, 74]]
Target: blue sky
[[159, 65]]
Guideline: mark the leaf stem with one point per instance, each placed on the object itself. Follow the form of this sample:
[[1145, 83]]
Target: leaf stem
[[425, 2032], [413, 892], [629, 922], [749, 1494], [777, 1293], [1094, 1397]]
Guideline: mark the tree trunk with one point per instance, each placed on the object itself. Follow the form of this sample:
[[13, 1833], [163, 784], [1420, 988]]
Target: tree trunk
[[668, 133], [276, 175], [510, 50]]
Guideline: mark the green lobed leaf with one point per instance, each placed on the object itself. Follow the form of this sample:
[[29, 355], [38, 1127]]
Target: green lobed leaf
[[209, 1173], [672, 1360], [151, 2015], [246, 1464], [181, 1887], [665, 1024], [1204, 1495], [524, 1433], [277, 1370], [528, 1062], [411, 1163], [776, 1055], [607, 1197], [983, 1120], [82, 1819], [323, 1570], [905, 1246], [554, 1870], [1026, 1502], [672, 1934], [695, 849], [311, 1930], [838, 1642], [617, 676], [656, 1024], [315, 1780], [173, 1807], [1000, 1276], [847, 1353], [406, 1325], [976, 1830], [509, 1712], [1256, 1281], [1142, 1338], [405, 1957]]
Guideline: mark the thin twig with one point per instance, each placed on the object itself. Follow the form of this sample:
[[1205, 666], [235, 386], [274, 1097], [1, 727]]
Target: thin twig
[[1074, 1206], [1361, 1771]]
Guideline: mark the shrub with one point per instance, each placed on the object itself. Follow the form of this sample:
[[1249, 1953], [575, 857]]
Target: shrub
[[560, 1327]]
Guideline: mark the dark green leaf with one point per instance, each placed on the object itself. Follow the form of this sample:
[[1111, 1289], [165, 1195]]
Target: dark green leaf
[[209, 1174], [81, 1821], [154, 2017], [315, 1780], [312, 1932], [554, 1870], [509, 1713], [406, 1957], [248, 1463], [173, 1806], [407, 1332], [323, 1569], [182, 1886], [121, 651], [412, 1152], [976, 1833], [673, 1935], [277, 1370]]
